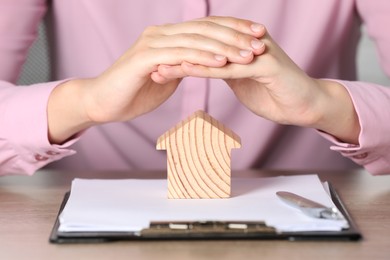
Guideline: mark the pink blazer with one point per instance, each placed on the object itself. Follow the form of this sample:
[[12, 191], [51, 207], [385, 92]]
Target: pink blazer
[[87, 36]]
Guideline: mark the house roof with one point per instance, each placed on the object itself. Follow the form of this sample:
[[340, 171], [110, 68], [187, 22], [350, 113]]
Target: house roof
[[200, 124]]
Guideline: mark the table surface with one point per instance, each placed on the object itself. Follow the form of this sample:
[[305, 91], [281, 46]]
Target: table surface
[[29, 206]]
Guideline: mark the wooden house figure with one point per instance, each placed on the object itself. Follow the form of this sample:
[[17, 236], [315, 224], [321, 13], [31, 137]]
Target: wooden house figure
[[198, 157]]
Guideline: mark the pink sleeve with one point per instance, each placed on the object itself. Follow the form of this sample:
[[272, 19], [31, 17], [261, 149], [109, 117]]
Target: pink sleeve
[[372, 104], [24, 145]]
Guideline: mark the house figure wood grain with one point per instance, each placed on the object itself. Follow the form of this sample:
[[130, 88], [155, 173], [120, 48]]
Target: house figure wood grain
[[198, 157]]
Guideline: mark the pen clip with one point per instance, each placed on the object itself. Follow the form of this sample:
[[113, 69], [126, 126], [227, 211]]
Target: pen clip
[[309, 207]]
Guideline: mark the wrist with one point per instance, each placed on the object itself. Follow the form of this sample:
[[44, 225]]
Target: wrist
[[336, 112], [66, 111]]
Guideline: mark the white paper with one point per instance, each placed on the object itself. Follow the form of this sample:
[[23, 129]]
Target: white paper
[[129, 205]]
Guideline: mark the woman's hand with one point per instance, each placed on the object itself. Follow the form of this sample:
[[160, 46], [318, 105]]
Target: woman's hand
[[133, 86], [274, 87]]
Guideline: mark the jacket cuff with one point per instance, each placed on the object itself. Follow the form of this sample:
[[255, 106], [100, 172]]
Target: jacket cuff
[[24, 127], [373, 151]]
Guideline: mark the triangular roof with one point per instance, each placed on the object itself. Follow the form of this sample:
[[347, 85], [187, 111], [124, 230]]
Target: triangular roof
[[202, 123]]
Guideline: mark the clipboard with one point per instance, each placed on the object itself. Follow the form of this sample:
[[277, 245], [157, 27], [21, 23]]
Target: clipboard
[[208, 230]]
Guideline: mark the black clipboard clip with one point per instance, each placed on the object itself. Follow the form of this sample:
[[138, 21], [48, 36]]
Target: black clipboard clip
[[206, 229]]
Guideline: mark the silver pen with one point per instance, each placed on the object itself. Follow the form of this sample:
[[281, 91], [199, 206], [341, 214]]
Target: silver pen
[[309, 207]]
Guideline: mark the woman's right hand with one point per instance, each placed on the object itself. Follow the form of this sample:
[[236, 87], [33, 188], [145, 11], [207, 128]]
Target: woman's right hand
[[132, 86]]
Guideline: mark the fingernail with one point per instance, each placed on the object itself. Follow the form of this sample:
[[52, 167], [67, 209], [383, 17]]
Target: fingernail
[[256, 44], [219, 57], [257, 27], [245, 53]]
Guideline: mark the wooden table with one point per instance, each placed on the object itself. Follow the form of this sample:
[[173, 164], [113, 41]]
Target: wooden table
[[29, 205]]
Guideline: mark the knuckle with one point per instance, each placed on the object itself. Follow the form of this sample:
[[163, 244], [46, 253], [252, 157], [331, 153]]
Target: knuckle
[[240, 40], [237, 36], [194, 56], [228, 50], [237, 24], [199, 54], [192, 37], [150, 30], [212, 18], [207, 25], [178, 52]]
